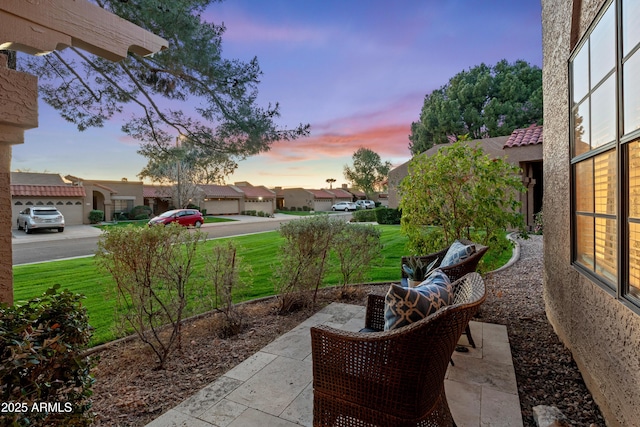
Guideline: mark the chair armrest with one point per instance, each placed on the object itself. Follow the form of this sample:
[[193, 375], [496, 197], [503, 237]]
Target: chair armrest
[[374, 317]]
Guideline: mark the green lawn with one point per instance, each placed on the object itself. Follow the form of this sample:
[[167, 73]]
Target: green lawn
[[259, 251]]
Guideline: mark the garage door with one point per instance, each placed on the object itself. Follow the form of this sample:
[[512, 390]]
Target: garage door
[[70, 208], [222, 207], [264, 206], [323, 205]]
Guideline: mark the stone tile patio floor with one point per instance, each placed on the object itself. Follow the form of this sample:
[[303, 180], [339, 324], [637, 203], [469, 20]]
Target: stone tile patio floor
[[273, 388]]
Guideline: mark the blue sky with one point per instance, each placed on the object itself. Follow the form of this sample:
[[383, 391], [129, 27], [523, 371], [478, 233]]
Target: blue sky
[[356, 70]]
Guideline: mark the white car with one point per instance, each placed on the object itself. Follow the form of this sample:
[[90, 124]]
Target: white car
[[40, 217], [366, 204], [344, 206]]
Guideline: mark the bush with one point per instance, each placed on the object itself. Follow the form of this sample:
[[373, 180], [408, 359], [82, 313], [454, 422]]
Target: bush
[[388, 216], [140, 210], [151, 268], [364, 215], [304, 255], [41, 363], [141, 217], [306, 208], [356, 246], [464, 191], [223, 268], [95, 216]]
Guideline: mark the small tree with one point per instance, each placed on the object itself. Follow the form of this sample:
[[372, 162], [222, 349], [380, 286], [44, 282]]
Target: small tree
[[368, 172], [304, 256], [356, 247], [151, 268], [464, 192]]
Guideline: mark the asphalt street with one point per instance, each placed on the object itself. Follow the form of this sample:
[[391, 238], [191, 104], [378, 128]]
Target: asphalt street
[[81, 240]]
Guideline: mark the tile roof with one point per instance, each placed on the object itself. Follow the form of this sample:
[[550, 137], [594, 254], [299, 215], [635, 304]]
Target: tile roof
[[19, 190], [150, 191], [528, 136], [340, 193], [260, 191], [213, 190], [321, 194], [33, 178]]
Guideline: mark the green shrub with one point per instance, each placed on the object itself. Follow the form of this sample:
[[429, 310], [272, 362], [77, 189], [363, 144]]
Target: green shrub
[[364, 215], [140, 210], [95, 216], [356, 247], [304, 256], [41, 342], [141, 217], [388, 216], [306, 208]]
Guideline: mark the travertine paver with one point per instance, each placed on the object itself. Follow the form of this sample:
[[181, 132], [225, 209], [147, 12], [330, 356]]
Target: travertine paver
[[274, 388]]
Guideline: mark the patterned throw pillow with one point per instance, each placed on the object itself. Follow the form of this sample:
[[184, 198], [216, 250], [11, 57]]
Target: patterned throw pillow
[[404, 306], [457, 252]]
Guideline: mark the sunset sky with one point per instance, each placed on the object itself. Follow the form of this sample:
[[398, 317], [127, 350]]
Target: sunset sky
[[356, 70]]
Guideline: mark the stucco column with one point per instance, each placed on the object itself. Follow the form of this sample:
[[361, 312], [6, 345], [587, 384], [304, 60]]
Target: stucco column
[[18, 112], [6, 255]]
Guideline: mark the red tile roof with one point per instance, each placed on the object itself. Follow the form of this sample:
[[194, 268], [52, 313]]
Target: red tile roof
[[151, 191], [260, 191], [18, 190], [340, 193], [222, 191], [321, 194], [528, 136]]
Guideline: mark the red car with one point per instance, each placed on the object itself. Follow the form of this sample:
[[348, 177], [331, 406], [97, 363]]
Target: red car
[[186, 217]]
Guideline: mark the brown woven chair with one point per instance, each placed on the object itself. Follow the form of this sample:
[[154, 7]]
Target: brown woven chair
[[454, 271], [391, 378]]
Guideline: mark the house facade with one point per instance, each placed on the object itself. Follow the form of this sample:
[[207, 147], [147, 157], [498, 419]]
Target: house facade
[[46, 189], [591, 87], [111, 197]]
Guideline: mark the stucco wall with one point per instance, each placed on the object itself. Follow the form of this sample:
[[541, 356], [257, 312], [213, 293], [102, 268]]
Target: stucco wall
[[601, 332]]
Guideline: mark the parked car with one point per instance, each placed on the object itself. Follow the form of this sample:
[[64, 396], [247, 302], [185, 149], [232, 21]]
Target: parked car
[[186, 217], [344, 206], [366, 204], [40, 218]]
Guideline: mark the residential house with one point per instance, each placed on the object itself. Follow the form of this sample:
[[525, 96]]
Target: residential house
[[46, 189], [522, 148], [591, 88], [111, 197], [300, 198], [256, 198], [340, 195], [157, 197], [221, 200]]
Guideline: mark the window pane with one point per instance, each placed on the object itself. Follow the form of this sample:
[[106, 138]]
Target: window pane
[[633, 154], [605, 248], [603, 47], [605, 183], [630, 25], [634, 259], [581, 129], [603, 113], [632, 93], [584, 240], [584, 186], [580, 68]]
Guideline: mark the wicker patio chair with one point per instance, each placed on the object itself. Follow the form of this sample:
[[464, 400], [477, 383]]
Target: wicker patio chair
[[454, 271], [391, 378]]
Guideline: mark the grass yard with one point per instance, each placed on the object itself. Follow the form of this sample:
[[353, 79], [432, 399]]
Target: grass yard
[[258, 251]]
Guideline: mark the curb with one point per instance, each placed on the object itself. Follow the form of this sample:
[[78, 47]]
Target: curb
[[515, 256]]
